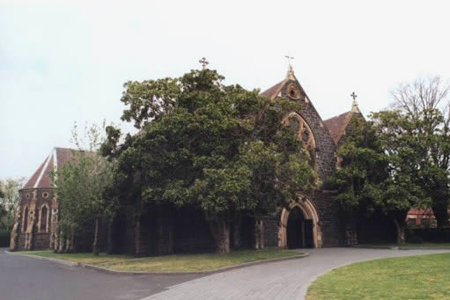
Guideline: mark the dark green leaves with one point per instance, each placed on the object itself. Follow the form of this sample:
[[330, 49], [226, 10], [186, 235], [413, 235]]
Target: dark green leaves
[[220, 148]]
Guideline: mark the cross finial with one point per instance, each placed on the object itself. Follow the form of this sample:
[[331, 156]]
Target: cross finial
[[355, 107], [289, 60], [203, 62], [290, 70]]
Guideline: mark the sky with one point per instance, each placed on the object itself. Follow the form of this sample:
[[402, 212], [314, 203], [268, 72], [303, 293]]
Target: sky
[[63, 62]]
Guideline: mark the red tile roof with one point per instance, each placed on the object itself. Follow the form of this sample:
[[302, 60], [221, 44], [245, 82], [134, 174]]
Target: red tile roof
[[41, 178], [272, 92], [336, 125]]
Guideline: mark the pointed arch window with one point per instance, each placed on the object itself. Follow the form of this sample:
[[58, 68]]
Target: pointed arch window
[[25, 219], [304, 134], [43, 219]]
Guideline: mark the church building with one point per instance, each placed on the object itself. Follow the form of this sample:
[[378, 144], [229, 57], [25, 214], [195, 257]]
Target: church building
[[35, 224], [312, 220]]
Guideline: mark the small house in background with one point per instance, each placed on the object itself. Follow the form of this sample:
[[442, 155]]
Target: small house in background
[[421, 217]]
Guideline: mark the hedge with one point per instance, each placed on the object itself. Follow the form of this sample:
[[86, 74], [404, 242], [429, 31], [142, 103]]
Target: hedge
[[4, 238]]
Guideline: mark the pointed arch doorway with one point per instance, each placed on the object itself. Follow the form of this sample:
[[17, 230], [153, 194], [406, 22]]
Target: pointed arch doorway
[[299, 230], [299, 226]]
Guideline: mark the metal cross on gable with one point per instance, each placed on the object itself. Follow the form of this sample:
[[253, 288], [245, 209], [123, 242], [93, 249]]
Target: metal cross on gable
[[203, 62], [353, 95], [289, 59]]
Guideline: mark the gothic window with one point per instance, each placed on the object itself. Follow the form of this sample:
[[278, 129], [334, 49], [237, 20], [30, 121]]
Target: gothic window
[[25, 219], [292, 91], [43, 219], [304, 134]]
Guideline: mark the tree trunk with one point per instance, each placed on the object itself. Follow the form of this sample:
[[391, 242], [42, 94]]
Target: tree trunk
[[400, 232], [137, 229], [109, 242], [220, 230], [236, 232], [95, 246], [69, 247], [441, 215]]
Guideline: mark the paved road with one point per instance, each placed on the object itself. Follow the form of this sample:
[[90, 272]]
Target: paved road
[[24, 278], [286, 280]]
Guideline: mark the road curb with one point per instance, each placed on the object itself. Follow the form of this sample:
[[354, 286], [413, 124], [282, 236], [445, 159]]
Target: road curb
[[210, 272], [403, 248], [55, 260]]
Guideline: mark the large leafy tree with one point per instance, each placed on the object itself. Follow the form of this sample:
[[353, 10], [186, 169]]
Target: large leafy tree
[[379, 169], [9, 198], [82, 186], [220, 148], [424, 104]]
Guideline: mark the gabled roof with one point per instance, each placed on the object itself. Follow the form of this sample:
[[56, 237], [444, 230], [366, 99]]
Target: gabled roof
[[41, 178], [336, 125], [272, 92], [275, 90]]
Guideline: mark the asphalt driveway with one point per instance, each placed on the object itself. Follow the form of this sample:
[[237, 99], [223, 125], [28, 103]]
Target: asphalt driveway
[[25, 278]]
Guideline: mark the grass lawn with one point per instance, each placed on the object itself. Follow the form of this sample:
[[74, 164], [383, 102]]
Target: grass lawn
[[170, 263], [418, 277]]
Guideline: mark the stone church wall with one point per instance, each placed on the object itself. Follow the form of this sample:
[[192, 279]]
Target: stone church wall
[[271, 229], [41, 241], [330, 221], [33, 237], [327, 208], [162, 231], [325, 147]]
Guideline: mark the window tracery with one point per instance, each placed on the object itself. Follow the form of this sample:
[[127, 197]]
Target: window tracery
[[304, 134]]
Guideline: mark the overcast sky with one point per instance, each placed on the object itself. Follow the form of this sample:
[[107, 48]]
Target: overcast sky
[[61, 63]]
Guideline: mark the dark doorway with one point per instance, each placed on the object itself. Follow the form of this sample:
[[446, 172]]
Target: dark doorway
[[299, 230]]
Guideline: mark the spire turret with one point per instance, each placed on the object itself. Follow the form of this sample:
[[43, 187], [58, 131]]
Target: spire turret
[[355, 107], [290, 73]]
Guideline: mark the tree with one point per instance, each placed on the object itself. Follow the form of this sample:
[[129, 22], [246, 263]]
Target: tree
[[82, 188], [9, 198], [220, 148], [379, 168], [425, 104]]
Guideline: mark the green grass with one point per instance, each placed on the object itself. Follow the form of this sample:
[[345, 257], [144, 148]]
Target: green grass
[[170, 263], [412, 278]]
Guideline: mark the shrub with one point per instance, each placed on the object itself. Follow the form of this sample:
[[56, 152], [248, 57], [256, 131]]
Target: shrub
[[4, 238]]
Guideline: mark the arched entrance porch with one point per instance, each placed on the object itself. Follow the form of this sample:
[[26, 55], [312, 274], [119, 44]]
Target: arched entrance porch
[[299, 226]]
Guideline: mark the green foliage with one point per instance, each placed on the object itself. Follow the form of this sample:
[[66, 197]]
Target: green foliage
[[380, 169], [4, 238], [9, 199], [82, 186], [220, 148], [424, 109]]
